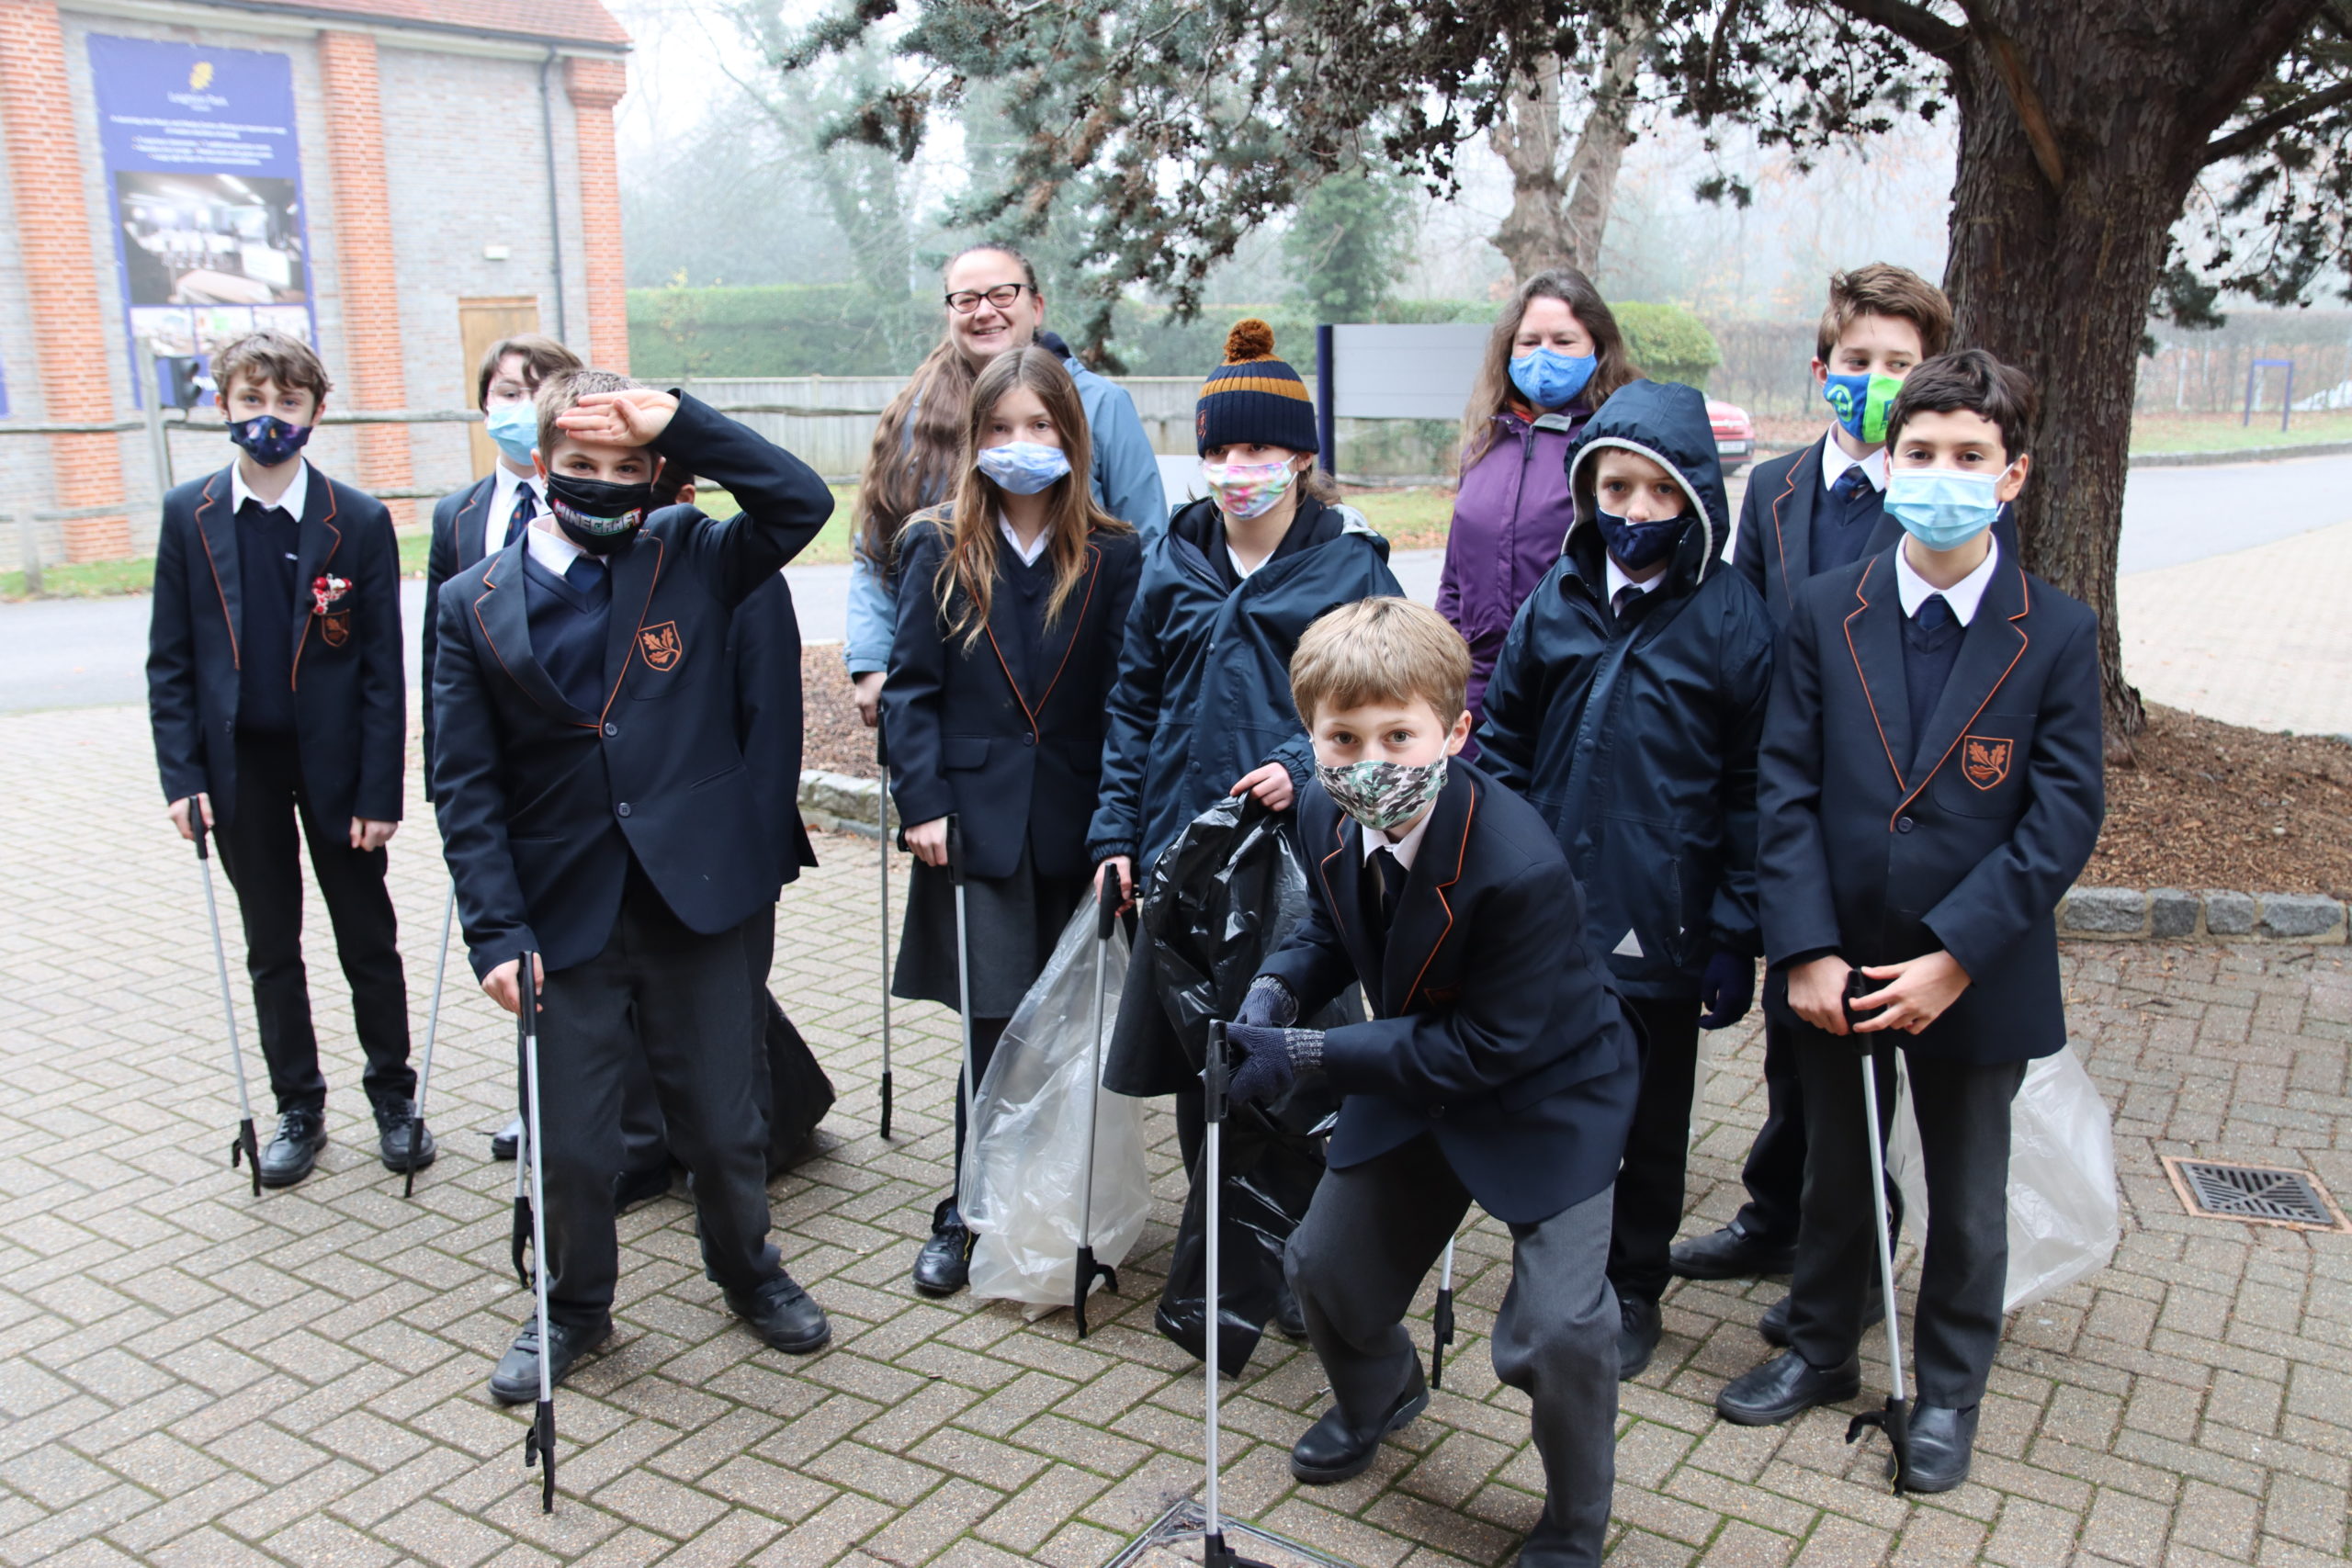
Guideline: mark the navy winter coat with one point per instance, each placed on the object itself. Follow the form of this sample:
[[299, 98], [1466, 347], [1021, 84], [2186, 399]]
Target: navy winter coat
[[1636, 738], [1204, 690]]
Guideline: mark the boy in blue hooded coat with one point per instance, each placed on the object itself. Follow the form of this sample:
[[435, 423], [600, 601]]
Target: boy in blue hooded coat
[[1627, 706]]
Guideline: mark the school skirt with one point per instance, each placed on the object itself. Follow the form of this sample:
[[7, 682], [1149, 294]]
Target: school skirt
[[1010, 925]]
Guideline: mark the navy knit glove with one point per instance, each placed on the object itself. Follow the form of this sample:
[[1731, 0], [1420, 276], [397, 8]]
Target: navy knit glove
[[1268, 1001], [1727, 990], [1274, 1059]]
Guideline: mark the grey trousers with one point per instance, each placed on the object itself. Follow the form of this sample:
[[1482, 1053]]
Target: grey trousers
[[1372, 1235]]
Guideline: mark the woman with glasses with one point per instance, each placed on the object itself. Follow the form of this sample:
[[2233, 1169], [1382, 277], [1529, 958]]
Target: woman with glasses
[[992, 305]]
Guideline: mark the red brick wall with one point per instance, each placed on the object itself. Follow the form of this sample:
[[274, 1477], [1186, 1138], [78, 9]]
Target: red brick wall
[[364, 260], [594, 87], [67, 292]]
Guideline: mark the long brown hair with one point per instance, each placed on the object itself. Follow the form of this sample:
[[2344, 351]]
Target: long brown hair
[[1493, 392], [966, 578], [920, 437]]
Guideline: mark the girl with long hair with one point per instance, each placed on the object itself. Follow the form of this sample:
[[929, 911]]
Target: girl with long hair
[[1555, 356], [1013, 598]]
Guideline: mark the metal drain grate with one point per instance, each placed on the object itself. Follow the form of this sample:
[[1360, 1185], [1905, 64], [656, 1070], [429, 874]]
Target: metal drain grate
[[2259, 1194]]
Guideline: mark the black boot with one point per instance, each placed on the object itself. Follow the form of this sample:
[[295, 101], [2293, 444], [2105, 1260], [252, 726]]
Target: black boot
[[517, 1379], [783, 1316], [1637, 1335], [945, 1265], [1332, 1451], [398, 1132], [293, 1153]]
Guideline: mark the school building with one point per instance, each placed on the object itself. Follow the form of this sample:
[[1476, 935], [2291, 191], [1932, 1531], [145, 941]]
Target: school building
[[399, 182]]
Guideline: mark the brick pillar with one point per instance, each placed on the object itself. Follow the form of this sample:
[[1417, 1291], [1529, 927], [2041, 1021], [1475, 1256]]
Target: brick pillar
[[594, 87], [68, 293], [363, 247]]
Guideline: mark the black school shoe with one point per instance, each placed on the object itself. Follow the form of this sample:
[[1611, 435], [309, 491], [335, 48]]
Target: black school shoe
[[1774, 1325], [1731, 1253], [1942, 1443], [945, 1265], [783, 1316], [396, 1127], [517, 1379], [631, 1188], [1331, 1452], [292, 1152], [507, 1141], [1289, 1316], [1639, 1329], [1785, 1387]]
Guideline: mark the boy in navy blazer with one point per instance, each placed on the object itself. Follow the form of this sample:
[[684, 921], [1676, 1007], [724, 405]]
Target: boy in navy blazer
[[279, 705], [1930, 785], [1811, 511], [598, 811], [1498, 1066]]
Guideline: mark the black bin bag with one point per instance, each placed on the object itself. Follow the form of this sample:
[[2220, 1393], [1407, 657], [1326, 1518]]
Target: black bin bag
[[1218, 903]]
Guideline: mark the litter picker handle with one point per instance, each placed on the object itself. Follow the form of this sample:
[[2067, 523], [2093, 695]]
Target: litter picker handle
[[1106, 903], [955, 849], [197, 829]]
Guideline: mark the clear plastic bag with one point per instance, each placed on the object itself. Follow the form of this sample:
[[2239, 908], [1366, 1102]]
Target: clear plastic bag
[[2063, 1220], [1022, 1190]]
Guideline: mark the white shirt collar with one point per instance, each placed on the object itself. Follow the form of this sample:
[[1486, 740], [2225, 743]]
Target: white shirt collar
[[505, 482], [297, 496], [1030, 551], [1617, 579], [549, 547], [1833, 464], [1241, 568], [1962, 596], [1403, 848]]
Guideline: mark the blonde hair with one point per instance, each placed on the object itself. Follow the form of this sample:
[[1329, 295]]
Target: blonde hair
[[1380, 650], [562, 393]]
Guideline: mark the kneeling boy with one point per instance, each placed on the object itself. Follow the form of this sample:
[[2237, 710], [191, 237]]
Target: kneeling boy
[[597, 811], [1499, 1064], [1929, 786]]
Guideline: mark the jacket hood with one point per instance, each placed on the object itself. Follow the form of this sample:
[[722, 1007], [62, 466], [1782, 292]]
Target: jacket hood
[[1666, 422]]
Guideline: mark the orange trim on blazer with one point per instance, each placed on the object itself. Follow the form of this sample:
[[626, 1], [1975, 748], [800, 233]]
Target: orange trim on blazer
[[641, 611], [1788, 589], [294, 676], [1462, 855], [1859, 674], [489, 586], [236, 659], [2025, 590]]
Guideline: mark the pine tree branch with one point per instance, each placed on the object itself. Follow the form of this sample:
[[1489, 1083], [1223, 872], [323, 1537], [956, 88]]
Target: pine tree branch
[[2249, 138], [1915, 25]]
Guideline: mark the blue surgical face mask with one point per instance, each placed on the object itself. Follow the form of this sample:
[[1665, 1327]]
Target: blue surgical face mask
[[1549, 379], [1942, 508], [1025, 468], [1637, 545], [514, 428], [269, 438]]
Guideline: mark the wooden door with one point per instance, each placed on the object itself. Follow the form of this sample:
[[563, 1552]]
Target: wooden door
[[481, 323]]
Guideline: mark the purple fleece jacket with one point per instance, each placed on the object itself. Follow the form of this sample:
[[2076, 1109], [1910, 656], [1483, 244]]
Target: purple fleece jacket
[[1510, 517]]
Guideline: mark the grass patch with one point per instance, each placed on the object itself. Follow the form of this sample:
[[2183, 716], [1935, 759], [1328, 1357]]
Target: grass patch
[[1416, 519], [2155, 433], [829, 547], [86, 580]]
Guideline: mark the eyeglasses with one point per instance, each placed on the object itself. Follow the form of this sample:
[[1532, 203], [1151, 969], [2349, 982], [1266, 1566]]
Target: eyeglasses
[[964, 301]]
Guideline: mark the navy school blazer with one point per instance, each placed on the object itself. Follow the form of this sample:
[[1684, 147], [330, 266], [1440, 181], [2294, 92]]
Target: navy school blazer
[[1880, 845], [541, 804], [1011, 745], [460, 534], [350, 691], [1774, 549], [1495, 1029]]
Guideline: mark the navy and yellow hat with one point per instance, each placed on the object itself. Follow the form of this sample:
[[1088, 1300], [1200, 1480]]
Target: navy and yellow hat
[[1253, 397]]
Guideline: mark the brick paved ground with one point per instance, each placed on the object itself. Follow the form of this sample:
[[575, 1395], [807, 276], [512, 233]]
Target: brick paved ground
[[192, 1376]]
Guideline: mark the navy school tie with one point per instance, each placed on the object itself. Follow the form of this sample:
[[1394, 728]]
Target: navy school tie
[[526, 507]]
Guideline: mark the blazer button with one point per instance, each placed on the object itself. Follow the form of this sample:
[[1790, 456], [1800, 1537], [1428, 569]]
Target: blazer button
[[612, 729], [622, 808], [1028, 740], [1437, 1112], [1903, 824]]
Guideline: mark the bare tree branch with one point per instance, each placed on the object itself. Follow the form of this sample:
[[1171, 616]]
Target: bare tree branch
[[1915, 25]]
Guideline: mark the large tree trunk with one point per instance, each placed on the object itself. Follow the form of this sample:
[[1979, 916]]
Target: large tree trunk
[[1560, 214], [1601, 150], [2082, 129]]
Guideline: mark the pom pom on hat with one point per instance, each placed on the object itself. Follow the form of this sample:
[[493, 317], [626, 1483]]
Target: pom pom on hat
[[1250, 339]]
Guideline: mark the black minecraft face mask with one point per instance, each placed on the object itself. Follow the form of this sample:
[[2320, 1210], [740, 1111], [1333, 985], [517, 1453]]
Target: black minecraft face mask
[[595, 515]]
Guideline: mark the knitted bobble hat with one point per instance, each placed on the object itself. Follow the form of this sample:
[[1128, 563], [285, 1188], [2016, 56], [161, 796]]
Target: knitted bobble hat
[[1254, 397]]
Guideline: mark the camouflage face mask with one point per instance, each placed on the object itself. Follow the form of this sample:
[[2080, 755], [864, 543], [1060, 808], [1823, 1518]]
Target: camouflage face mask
[[1383, 796]]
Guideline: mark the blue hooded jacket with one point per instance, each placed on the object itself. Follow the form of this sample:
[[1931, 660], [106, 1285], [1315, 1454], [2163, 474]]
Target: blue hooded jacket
[[1636, 738], [1204, 690]]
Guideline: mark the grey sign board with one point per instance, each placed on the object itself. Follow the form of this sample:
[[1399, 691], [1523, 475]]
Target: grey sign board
[[1404, 372]]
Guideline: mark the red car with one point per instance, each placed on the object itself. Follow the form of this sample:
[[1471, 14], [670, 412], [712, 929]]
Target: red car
[[1734, 436]]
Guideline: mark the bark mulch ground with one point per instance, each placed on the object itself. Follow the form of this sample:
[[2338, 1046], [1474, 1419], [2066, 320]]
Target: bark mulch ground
[[2210, 804]]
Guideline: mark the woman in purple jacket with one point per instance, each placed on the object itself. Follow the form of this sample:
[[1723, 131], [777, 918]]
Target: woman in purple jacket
[[1555, 356]]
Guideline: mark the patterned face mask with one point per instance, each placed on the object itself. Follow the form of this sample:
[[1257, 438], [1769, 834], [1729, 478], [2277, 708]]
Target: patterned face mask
[[1383, 796], [1246, 489], [1025, 468]]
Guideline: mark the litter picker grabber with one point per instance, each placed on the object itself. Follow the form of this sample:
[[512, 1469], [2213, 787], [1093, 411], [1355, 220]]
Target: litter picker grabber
[[1215, 1078], [1106, 914], [1441, 1320], [432, 1032], [1895, 1419], [882, 837], [242, 1146], [525, 1219], [538, 1443]]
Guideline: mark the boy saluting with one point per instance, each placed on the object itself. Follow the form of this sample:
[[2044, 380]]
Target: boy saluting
[[279, 709], [1931, 784], [597, 811], [1498, 1066]]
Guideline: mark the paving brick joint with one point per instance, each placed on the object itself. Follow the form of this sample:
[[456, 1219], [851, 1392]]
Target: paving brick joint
[[193, 1376]]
